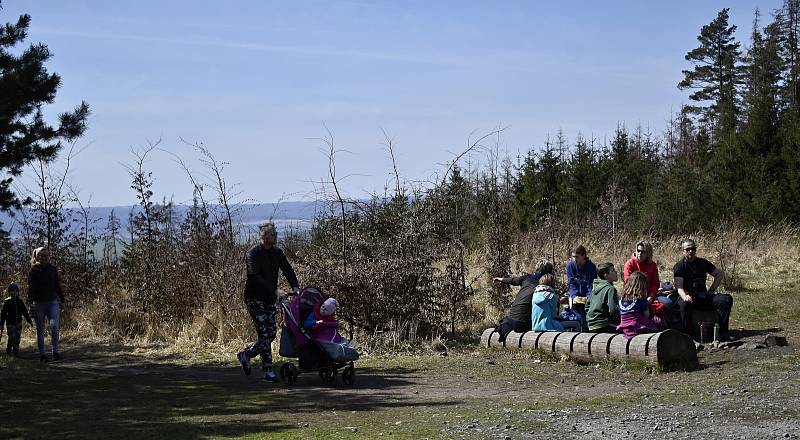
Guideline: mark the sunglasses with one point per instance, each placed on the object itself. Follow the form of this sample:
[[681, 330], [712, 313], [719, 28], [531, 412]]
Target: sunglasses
[[690, 249]]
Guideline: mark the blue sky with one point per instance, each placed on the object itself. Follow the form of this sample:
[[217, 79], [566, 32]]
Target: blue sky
[[258, 81]]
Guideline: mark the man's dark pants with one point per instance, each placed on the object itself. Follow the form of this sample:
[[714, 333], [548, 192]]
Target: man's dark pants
[[721, 302], [263, 315], [507, 325]]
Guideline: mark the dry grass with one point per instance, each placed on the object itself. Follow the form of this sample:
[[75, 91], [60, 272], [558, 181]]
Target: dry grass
[[752, 257], [759, 264]]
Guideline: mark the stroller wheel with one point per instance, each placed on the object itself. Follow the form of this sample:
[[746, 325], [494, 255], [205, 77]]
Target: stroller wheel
[[328, 375], [348, 375], [289, 373], [284, 371]]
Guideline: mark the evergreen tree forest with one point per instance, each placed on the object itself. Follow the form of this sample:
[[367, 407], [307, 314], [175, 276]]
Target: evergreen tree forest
[[730, 155]]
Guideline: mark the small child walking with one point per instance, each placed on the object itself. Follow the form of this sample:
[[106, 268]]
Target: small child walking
[[634, 308], [11, 315]]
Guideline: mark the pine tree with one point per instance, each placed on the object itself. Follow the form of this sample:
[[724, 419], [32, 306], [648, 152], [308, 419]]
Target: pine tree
[[630, 162], [582, 184], [459, 215], [715, 76], [764, 67], [787, 19], [750, 163], [526, 194], [537, 188], [110, 239], [26, 87]]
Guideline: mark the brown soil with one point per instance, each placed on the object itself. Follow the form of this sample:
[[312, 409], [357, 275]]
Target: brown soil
[[479, 393]]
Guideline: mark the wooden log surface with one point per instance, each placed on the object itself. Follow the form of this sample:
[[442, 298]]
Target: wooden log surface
[[547, 341], [513, 339], [618, 347], [494, 340], [485, 337], [670, 348], [673, 349], [638, 347], [529, 339], [581, 347], [599, 345], [564, 342]]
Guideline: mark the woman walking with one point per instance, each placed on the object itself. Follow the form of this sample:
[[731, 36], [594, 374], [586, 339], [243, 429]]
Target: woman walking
[[45, 296]]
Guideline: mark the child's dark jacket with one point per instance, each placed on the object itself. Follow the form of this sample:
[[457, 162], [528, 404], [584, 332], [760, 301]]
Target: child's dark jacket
[[13, 311]]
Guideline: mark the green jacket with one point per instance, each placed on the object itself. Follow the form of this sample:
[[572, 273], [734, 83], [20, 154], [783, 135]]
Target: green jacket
[[603, 306]]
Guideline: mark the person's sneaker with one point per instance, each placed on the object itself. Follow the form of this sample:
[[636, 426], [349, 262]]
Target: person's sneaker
[[43, 358], [56, 357], [269, 375], [16, 351], [8, 350], [245, 361]]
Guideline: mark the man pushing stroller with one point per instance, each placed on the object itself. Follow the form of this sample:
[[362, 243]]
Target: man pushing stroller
[[261, 292]]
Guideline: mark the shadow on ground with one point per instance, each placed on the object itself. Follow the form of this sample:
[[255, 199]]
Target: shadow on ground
[[749, 333], [104, 390]]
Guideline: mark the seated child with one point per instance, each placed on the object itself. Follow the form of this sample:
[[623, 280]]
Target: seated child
[[603, 314], [544, 307], [13, 311], [324, 327], [323, 317], [634, 309]]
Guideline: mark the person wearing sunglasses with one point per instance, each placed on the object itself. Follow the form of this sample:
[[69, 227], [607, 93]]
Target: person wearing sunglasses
[[642, 261], [690, 280]]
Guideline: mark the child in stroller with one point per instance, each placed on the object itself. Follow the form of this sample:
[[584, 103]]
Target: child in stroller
[[310, 334], [324, 319]]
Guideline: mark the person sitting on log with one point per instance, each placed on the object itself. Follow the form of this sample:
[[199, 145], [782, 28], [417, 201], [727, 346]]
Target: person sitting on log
[[581, 272], [544, 308], [634, 309], [519, 316], [642, 261], [690, 281], [603, 314]]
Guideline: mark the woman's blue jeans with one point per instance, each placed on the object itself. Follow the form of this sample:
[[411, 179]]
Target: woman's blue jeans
[[49, 310]]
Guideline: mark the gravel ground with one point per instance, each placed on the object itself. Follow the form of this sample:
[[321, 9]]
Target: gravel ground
[[739, 394]]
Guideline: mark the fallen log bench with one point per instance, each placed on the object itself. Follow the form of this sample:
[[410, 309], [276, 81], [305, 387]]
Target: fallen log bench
[[669, 349]]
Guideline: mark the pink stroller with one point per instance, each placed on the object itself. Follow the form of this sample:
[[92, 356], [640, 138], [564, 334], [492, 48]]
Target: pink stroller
[[314, 351]]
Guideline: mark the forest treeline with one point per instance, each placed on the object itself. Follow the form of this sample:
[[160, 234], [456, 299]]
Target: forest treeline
[[732, 154], [413, 261]]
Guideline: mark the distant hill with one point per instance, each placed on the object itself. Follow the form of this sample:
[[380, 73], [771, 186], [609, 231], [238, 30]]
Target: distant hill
[[296, 214]]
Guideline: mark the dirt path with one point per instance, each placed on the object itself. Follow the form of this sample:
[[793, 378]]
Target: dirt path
[[132, 392]]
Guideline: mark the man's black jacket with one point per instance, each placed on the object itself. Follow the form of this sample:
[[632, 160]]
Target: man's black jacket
[[262, 273]]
